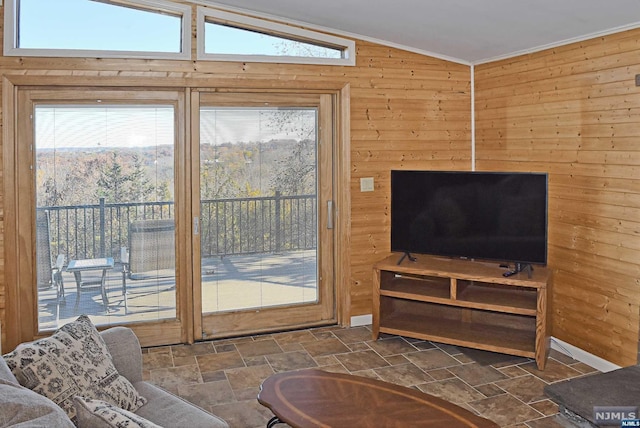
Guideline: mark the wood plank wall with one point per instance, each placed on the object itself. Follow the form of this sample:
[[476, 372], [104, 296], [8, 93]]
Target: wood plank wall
[[574, 112], [407, 111]]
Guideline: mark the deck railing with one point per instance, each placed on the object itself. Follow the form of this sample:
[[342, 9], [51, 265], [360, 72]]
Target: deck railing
[[269, 224]]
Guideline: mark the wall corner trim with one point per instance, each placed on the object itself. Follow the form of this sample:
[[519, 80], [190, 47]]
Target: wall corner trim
[[473, 116]]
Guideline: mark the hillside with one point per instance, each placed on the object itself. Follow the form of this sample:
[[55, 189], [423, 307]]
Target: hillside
[[82, 176]]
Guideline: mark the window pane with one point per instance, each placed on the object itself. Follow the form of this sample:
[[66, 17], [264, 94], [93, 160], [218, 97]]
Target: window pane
[[105, 227], [258, 207], [222, 39], [94, 25]]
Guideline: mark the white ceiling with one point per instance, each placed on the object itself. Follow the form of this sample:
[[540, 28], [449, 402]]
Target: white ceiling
[[467, 31]]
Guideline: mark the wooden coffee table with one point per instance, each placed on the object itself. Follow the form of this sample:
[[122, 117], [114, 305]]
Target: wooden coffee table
[[314, 398]]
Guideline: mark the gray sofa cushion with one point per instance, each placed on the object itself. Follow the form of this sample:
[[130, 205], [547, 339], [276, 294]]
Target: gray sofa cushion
[[171, 411], [22, 407], [73, 361], [100, 414], [5, 372], [124, 347], [162, 408]]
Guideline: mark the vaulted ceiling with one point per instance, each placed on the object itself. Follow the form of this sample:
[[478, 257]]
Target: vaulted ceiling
[[467, 31]]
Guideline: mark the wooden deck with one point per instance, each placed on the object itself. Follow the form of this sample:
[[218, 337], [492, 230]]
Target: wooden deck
[[228, 283]]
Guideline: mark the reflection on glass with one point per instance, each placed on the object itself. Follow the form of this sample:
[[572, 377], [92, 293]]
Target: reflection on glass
[[105, 232], [251, 42], [258, 189]]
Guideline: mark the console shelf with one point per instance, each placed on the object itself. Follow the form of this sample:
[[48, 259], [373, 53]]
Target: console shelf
[[464, 303]]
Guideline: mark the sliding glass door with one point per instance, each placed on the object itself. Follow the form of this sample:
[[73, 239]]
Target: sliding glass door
[[264, 204], [105, 187], [120, 219]]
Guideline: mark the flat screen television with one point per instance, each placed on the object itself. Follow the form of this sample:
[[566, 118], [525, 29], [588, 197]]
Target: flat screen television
[[497, 216]]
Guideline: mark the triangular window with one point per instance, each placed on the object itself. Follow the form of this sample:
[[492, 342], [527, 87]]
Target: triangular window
[[233, 37], [136, 28]]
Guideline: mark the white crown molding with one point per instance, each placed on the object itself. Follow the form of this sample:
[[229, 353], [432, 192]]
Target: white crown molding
[[407, 48], [565, 42], [340, 33]]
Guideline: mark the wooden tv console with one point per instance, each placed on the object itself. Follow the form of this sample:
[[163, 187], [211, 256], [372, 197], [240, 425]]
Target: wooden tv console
[[462, 302]]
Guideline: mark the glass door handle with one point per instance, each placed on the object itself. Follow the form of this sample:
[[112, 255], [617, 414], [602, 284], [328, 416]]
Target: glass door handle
[[329, 214]]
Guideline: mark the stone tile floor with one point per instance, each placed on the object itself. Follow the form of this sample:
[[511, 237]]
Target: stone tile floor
[[224, 376]]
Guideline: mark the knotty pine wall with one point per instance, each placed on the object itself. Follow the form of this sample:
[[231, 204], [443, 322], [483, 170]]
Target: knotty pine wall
[[574, 112], [407, 111]]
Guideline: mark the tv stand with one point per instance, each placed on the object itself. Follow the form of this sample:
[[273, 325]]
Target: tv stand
[[463, 303], [520, 267], [406, 255]]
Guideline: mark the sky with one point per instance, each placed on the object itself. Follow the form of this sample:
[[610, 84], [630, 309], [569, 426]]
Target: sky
[[105, 126], [83, 24], [86, 24]]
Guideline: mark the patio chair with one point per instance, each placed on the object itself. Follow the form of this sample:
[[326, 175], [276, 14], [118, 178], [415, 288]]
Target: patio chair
[[48, 274], [151, 250], [57, 276]]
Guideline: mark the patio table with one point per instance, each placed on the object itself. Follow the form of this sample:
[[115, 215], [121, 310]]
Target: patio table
[[84, 265]]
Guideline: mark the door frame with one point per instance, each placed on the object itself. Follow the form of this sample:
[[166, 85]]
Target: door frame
[[16, 329], [164, 331], [272, 318]]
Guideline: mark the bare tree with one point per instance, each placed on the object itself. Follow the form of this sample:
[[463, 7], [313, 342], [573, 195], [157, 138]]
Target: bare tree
[[294, 173], [63, 181]]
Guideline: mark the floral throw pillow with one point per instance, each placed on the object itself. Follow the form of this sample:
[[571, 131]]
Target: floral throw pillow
[[100, 414], [73, 361]]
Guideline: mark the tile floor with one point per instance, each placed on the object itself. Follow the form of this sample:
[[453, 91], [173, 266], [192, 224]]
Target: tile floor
[[224, 376]]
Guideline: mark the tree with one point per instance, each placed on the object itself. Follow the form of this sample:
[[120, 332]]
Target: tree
[[117, 184], [216, 180], [65, 180], [301, 49], [163, 191], [294, 173], [111, 184], [49, 195], [140, 187]]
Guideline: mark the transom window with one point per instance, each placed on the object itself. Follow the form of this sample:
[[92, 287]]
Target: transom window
[[161, 29], [139, 28], [233, 37], [229, 40]]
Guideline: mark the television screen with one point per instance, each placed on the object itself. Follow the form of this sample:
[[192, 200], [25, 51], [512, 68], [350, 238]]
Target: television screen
[[498, 216]]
